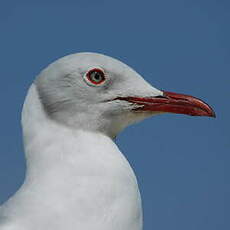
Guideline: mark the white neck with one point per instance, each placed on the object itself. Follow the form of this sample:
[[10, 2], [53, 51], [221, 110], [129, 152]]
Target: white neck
[[75, 179]]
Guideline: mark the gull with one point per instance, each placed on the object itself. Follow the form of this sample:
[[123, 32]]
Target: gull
[[77, 178]]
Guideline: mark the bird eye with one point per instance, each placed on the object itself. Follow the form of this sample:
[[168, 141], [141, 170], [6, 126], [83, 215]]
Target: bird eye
[[95, 76]]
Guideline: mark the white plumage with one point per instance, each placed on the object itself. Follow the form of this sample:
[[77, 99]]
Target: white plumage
[[76, 176]]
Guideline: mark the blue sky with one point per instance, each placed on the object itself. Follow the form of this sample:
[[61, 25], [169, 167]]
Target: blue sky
[[182, 162]]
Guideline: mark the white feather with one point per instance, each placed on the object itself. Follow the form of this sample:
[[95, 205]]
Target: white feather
[[76, 176]]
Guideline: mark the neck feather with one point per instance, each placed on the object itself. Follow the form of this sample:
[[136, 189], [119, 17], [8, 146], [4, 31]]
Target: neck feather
[[48, 143], [73, 174]]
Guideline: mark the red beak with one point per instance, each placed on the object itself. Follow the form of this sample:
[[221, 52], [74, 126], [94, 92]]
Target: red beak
[[172, 103]]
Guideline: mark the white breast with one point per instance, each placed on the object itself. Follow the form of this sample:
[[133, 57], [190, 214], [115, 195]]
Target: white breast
[[75, 180]]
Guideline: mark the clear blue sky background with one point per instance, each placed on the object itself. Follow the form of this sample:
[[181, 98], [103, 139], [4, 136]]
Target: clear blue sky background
[[182, 162]]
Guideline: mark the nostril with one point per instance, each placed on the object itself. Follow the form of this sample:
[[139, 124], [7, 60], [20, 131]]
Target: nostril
[[161, 96]]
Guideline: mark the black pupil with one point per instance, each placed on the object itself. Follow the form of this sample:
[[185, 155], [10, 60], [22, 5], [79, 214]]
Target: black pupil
[[96, 76]]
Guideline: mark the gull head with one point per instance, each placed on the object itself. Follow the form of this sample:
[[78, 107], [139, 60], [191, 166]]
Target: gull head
[[97, 93]]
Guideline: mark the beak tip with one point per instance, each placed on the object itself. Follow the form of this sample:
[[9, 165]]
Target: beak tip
[[210, 112]]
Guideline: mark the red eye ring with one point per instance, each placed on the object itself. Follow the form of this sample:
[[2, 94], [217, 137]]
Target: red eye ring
[[95, 76]]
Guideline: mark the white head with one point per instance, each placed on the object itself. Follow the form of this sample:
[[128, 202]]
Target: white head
[[98, 93]]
